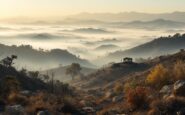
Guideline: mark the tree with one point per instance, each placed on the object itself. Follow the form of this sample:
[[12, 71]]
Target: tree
[[34, 74], [46, 78], [8, 61], [73, 70]]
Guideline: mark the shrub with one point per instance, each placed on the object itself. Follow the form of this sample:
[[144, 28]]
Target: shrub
[[130, 85], [15, 98], [40, 101], [157, 107], [8, 85], [158, 77], [138, 97], [118, 88], [179, 70], [169, 106]]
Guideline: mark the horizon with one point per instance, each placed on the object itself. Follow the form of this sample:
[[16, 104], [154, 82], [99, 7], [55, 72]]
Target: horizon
[[61, 8]]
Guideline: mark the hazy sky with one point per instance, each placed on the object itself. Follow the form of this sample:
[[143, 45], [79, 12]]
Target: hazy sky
[[42, 8]]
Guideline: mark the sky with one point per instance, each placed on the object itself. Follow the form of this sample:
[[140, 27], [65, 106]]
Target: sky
[[44, 8]]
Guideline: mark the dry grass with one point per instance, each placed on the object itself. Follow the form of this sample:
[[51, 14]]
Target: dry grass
[[159, 76], [179, 70], [138, 98], [15, 98]]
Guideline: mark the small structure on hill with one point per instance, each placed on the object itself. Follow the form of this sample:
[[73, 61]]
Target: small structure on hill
[[127, 60], [182, 50]]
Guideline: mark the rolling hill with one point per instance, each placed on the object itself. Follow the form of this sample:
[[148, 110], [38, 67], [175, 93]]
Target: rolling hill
[[129, 16], [107, 47], [33, 59], [153, 24], [156, 47]]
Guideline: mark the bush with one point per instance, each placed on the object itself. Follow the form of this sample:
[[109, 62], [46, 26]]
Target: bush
[[41, 101], [15, 98], [179, 70], [158, 77], [118, 88], [138, 98], [130, 85], [169, 106], [8, 85]]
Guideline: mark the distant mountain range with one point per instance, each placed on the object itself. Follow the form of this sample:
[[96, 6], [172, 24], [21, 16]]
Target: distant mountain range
[[154, 24], [38, 59], [100, 18], [129, 16], [91, 31], [156, 47], [107, 47]]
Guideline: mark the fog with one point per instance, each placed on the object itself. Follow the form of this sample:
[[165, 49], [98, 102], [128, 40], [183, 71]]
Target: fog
[[82, 41]]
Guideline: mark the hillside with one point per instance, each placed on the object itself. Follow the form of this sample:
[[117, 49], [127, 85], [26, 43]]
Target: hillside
[[119, 94], [38, 59], [117, 71], [26, 83], [60, 72], [109, 74], [156, 47]]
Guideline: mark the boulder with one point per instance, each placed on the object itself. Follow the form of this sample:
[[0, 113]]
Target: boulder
[[109, 94], [166, 90], [117, 98], [181, 112], [88, 110], [26, 93], [43, 112], [14, 110], [179, 88]]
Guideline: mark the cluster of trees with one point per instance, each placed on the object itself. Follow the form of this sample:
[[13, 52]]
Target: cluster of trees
[[8, 61]]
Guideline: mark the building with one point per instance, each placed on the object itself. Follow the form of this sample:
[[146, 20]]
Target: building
[[127, 60]]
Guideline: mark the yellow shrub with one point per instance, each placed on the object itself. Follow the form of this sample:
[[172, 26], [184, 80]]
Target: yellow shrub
[[118, 88], [158, 77], [179, 70]]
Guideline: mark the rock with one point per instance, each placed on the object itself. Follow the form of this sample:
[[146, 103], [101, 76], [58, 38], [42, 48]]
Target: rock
[[117, 98], [82, 103], [109, 94], [26, 93], [88, 110], [179, 88], [166, 90], [181, 112], [44, 112], [14, 110]]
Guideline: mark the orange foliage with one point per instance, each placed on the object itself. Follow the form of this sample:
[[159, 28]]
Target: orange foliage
[[138, 97], [179, 70], [158, 77], [118, 88]]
